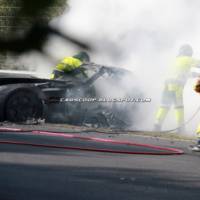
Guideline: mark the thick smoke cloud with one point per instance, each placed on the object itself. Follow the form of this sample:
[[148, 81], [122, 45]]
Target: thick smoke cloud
[[140, 35]]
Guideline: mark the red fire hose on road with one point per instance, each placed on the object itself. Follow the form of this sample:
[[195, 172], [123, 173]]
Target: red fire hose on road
[[150, 149]]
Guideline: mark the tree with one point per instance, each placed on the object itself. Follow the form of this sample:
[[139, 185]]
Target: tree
[[19, 15]]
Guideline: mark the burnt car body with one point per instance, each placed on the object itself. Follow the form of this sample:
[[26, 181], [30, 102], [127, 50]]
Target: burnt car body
[[78, 98]]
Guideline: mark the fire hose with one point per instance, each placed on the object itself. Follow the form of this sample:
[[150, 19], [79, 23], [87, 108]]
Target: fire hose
[[161, 150], [150, 149], [185, 123]]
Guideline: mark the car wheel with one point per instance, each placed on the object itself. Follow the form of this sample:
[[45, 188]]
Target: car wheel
[[22, 105]]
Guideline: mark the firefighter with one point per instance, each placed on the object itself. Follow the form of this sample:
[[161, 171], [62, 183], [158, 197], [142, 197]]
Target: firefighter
[[197, 146], [172, 94], [69, 65]]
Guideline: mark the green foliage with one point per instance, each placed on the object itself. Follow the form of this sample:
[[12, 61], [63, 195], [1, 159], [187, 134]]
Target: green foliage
[[42, 8], [19, 15], [31, 10]]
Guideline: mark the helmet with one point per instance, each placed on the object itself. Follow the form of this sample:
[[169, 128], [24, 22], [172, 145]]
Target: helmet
[[83, 56], [185, 50]]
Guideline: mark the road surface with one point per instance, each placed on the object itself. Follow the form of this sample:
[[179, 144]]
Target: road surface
[[45, 174]]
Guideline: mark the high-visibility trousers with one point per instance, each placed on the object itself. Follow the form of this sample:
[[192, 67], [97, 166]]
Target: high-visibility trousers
[[198, 131], [172, 95]]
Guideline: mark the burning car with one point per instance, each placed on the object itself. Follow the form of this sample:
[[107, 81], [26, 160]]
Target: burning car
[[99, 97]]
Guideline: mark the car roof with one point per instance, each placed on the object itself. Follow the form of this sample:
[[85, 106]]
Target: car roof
[[16, 74]]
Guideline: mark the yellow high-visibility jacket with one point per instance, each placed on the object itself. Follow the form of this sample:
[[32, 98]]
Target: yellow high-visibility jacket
[[180, 69], [67, 65]]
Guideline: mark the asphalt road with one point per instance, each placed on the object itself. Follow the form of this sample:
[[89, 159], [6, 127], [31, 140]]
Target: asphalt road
[[43, 174]]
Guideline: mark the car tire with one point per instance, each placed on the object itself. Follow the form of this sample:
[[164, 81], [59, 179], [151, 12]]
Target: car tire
[[23, 104]]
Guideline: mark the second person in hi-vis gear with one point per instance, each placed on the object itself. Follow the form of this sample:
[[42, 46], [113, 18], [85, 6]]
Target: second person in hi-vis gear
[[172, 94]]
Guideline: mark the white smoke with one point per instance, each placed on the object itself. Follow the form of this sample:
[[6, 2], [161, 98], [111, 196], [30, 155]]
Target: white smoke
[[140, 35]]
